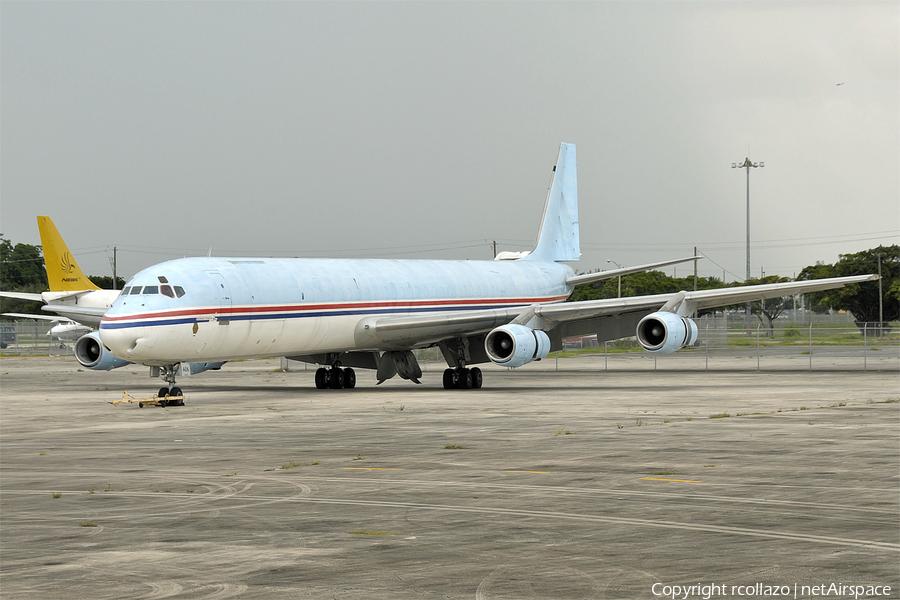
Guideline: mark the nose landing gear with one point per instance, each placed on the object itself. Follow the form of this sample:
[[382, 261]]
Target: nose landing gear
[[170, 395]]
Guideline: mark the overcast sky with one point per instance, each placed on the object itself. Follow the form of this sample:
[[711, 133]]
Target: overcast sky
[[426, 130]]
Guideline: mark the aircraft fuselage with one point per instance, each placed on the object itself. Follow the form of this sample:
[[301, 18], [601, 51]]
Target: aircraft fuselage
[[216, 309]]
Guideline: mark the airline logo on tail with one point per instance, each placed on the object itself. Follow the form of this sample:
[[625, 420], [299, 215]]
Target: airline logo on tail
[[63, 273]]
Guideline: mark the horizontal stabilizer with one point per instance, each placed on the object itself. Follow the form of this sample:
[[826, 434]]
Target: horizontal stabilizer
[[592, 277]]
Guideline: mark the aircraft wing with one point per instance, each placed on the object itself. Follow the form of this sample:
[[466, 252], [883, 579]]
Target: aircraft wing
[[22, 296], [609, 319], [85, 315], [38, 317]]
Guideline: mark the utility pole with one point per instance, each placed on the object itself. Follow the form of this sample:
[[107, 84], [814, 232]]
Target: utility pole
[[495, 248], [695, 269], [747, 164], [880, 301]]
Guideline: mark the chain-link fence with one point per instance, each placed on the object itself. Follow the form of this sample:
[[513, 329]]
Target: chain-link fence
[[725, 342]]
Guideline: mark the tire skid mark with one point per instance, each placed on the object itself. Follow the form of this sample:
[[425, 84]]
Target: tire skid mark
[[688, 497], [745, 531]]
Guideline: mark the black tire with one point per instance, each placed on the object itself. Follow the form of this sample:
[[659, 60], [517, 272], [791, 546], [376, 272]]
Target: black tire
[[163, 392], [477, 378], [321, 379], [448, 379], [349, 378], [465, 379], [336, 378], [176, 391]]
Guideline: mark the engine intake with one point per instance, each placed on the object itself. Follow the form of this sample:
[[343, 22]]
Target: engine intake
[[665, 332], [89, 351], [516, 345]]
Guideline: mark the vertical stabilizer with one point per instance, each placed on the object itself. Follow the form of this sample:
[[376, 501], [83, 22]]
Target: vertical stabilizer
[[63, 273], [558, 238]]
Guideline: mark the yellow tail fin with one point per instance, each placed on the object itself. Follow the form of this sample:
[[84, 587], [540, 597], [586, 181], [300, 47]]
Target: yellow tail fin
[[63, 273]]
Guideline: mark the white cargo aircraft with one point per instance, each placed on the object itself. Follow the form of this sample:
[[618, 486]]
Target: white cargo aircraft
[[188, 315], [71, 294]]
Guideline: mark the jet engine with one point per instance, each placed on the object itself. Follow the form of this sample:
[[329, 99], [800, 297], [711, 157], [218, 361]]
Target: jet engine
[[516, 345], [665, 332], [89, 351]]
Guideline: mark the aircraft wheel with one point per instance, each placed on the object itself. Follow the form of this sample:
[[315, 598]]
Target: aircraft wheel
[[336, 378], [176, 391], [349, 378], [321, 378], [477, 378], [163, 392], [465, 379], [448, 379]]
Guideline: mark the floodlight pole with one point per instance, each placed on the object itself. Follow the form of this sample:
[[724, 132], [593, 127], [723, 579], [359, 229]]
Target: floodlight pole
[[747, 164], [620, 277]]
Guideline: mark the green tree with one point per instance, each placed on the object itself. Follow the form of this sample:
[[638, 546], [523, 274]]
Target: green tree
[[771, 308], [21, 270], [861, 299], [106, 282], [641, 284]]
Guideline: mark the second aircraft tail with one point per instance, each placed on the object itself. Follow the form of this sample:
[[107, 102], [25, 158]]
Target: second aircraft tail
[[63, 273]]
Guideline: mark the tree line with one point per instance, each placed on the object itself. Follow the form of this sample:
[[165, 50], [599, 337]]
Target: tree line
[[861, 299]]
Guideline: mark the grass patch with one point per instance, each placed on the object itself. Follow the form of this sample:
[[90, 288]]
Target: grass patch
[[663, 473], [723, 415], [359, 457], [370, 532], [453, 447], [57, 494], [87, 523], [291, 465]]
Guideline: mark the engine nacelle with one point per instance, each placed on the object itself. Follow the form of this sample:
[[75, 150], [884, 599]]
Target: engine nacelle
[[516, 345], [89, 351], [665, 332]]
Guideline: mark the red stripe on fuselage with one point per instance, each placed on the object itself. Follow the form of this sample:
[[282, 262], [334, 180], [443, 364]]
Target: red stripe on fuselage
[[330, 306]]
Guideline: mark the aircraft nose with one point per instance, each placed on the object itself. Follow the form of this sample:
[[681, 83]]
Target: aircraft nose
[[130, 343]]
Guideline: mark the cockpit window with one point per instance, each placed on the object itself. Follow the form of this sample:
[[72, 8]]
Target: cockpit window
[[136, 290], [179, 291], [125, 290], [166, 290], [151, 289]]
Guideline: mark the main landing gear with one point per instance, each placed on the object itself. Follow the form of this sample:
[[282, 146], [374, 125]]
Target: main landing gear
[[463, 378], [335, 378]]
